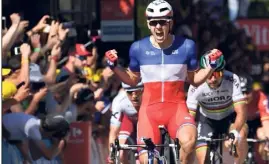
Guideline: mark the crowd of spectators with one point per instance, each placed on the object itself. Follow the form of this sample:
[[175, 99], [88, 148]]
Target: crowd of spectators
[[45, 73], [211, 28]]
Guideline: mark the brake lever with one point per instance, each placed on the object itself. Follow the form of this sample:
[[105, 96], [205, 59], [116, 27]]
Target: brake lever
[[149, 144], [177, 148], [112, 152], [233, 150]]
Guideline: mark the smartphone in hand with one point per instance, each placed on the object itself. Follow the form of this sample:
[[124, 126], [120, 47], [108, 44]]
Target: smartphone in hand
[[17, 50], [4, 23]]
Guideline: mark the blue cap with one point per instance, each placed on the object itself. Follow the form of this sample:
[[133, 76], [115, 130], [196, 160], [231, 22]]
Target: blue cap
[[127, 87]]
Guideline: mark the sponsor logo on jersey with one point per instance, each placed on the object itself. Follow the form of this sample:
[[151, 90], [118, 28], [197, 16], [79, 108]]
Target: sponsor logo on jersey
[[219, 98], [150, 53], [114, 114], [174, 52]]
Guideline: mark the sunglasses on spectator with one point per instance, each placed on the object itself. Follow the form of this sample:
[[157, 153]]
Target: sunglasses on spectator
[[156, 22], [245, 92], [81, 58]]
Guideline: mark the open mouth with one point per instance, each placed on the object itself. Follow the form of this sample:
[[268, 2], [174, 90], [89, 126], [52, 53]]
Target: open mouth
[[159, 35], [135, 102]]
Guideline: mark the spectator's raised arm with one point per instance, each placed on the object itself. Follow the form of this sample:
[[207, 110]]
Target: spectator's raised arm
[[9, 38], [35, 41], [53, 30], [55, 55], [24, 73], [40, 26], [36, 99], [62, 33]]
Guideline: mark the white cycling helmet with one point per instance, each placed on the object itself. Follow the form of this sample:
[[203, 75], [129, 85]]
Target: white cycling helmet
[[159, 8], [127, 87]]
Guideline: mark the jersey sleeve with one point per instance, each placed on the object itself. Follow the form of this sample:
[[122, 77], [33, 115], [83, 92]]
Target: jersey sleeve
[[133, 55], [192, 102], [116, 116], [192, 64], [237, 95], [263, 107]]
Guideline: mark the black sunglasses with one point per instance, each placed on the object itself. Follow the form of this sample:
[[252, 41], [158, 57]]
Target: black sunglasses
[[81, 57], [160, 22], [130, 92], [246, 92]]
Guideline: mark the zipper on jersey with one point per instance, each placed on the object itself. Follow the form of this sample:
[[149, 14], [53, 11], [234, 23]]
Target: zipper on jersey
[[162, 77]]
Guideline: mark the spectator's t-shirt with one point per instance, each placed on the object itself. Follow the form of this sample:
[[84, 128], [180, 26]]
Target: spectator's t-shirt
[[63, 75], [22, 126], [51, 104]]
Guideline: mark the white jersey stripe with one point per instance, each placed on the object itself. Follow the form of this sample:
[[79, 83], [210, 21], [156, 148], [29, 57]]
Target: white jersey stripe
[[172, 72]]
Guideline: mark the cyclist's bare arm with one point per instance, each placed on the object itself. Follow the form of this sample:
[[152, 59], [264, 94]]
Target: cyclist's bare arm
[[127, 76], [113, 134], [241, 115], [198, 77]]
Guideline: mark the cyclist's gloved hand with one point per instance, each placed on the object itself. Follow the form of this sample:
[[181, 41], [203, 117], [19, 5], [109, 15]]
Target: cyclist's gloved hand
[[236, 134], [234, 137], [111, 58], [212, 58]]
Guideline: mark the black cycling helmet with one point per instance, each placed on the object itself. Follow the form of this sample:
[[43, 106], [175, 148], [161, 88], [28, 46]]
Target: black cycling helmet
[[55, 123], [246, 83]]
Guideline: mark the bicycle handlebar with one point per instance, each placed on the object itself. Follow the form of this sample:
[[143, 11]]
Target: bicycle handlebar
[[208, 139], [257, 140], [233, 151], [149, 145]]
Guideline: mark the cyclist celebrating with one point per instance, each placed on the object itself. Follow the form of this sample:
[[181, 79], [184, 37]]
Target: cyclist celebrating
[[258, 113], [124, 115], [164, 62], [221, 102]]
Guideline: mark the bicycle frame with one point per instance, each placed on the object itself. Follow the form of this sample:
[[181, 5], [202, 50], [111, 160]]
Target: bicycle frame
[[213, 146], [175, 150], [149, 146]]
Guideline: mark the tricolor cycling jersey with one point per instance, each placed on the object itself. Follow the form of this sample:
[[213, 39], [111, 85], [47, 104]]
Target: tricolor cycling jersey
[[163, 71], [121, 105], [258, 105], [216, 103]]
